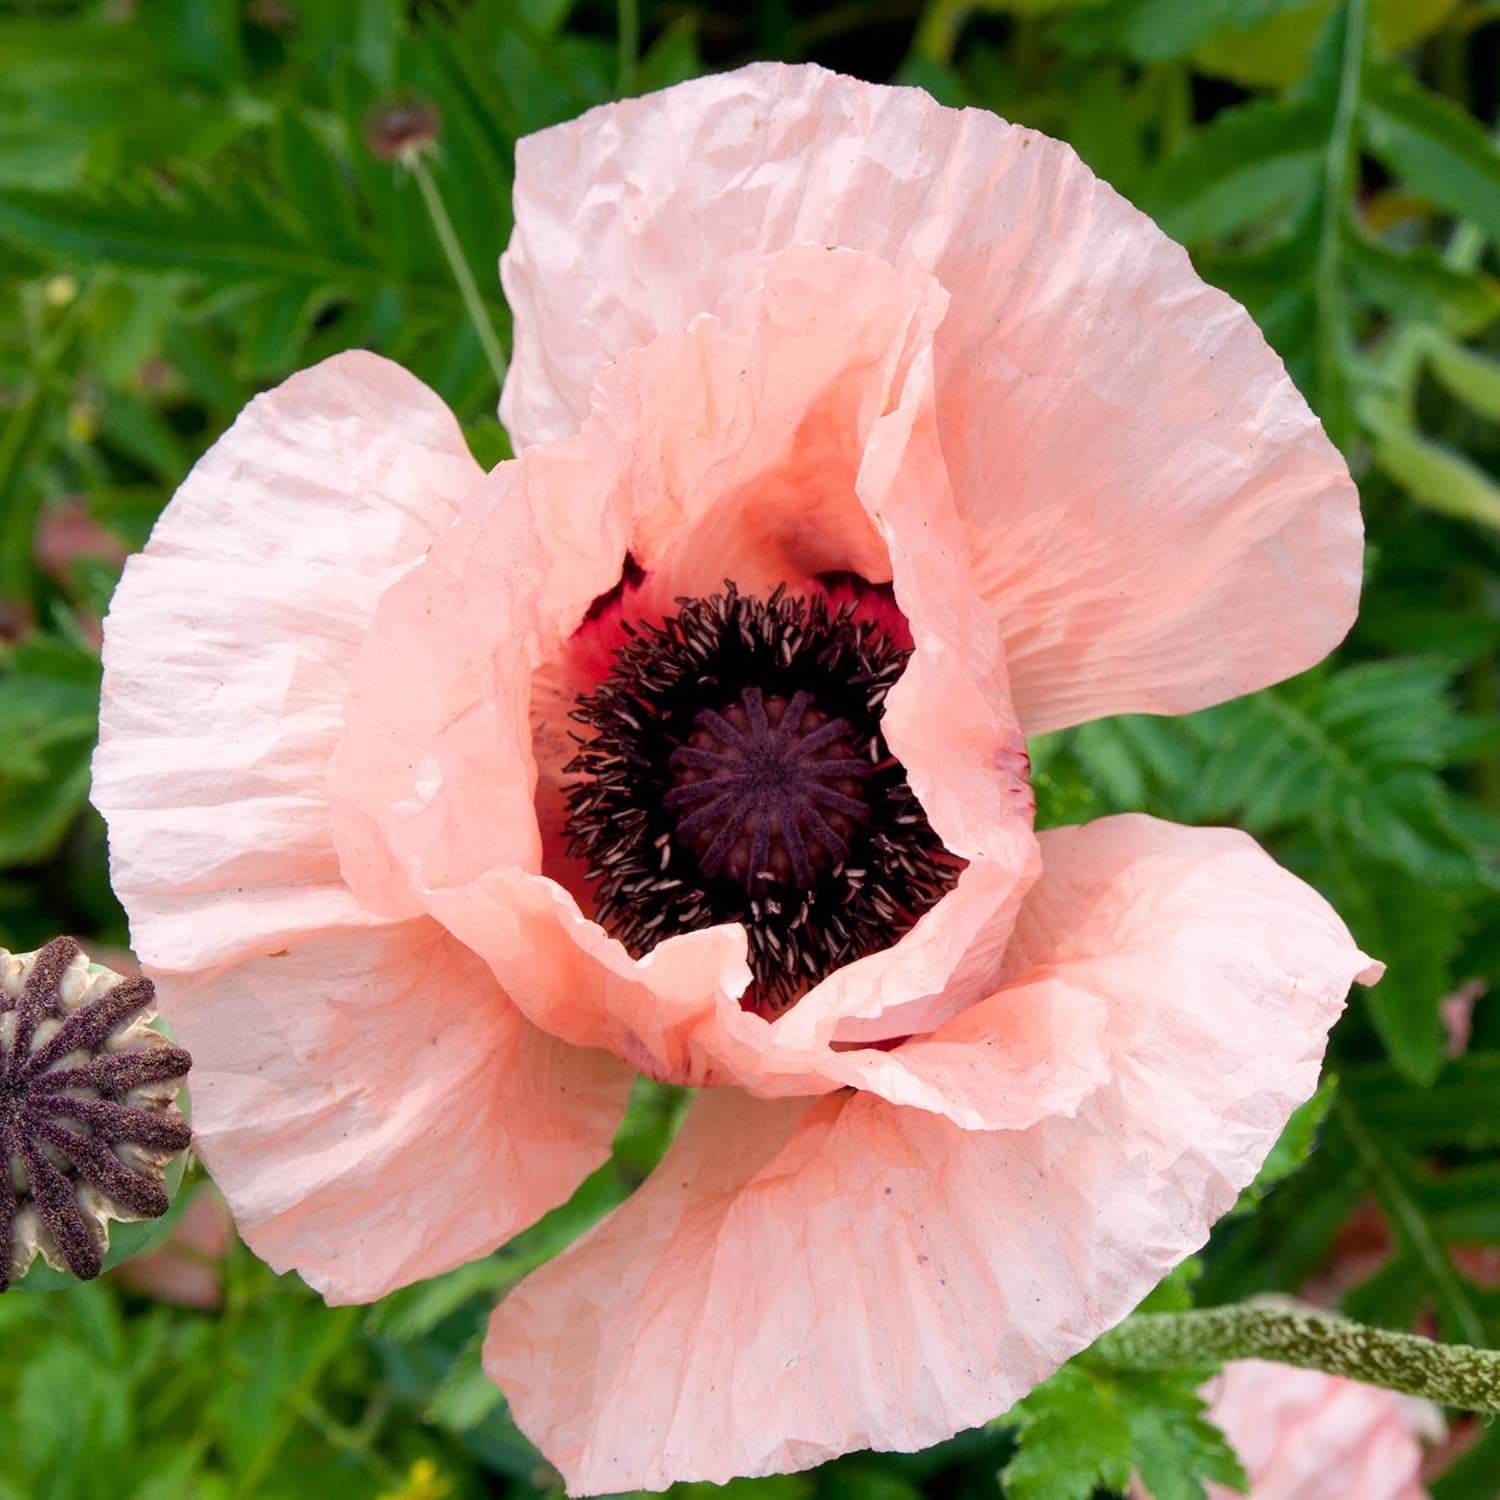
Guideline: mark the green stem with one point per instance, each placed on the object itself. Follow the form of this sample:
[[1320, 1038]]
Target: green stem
[[468, 289], [1176, 105], [849, 18], [1340, 164], [350, 1441], [1450, 1374], [1410, 1223], [336, 1333], [937, 31], [628, 22]]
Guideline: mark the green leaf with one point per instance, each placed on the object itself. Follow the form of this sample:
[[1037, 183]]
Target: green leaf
[[1089, 1426], [1250, 163], [1420, 286], [1463, 1202], [672, 58], [1415, 930], [1154, 30], [1177, 1448], [1073, 1436], [1434, 145], [316, 183], [1471, 377], [228, 234], [49, 694], [1457, 1110], [1357, 748], [1433, 475], [72, 1416], [1294, 1145], [465, 1396]]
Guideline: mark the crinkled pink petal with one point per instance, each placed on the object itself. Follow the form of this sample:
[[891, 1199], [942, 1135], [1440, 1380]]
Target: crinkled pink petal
[[707, 458], [1157, 519], [377, 1111], [456, 720], [434, 778], [373, 1106], [799, 1280], [1030, 1051], [1303, 1435], [227, 651]]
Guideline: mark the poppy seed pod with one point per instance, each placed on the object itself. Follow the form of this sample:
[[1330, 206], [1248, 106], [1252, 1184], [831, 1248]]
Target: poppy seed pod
[[88, 1113]]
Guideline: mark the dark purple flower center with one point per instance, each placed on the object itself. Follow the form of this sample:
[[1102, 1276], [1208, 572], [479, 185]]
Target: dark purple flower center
[[736, 772], [769, 790]]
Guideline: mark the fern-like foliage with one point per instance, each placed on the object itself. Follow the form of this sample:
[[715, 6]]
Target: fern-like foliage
[[1343, 773]]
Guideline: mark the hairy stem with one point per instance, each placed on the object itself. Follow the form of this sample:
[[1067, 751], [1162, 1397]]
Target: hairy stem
[[1450, 1374]]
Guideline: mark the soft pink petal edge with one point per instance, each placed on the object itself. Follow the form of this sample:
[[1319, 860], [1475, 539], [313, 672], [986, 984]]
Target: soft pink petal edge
[[795, 1282], [227, 653], [376, 1111], [1156, 517], [227, 650]]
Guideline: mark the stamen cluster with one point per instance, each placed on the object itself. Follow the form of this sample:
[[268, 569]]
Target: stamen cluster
[[736, 772]]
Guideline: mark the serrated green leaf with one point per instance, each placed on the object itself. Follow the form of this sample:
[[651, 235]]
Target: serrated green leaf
[[1355, 747], [1177, 1448], [1072, 1436], [318, 184], [1413, 928], [1089, 1426]]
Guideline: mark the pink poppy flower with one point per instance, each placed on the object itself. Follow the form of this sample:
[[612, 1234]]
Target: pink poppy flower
[[1303, 1435], [978, 456]]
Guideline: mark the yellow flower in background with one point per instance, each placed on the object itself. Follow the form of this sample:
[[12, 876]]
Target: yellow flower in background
[[424, 1481]]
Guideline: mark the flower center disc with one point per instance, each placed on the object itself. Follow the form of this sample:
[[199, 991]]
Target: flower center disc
[[769, 790], [736, 772]]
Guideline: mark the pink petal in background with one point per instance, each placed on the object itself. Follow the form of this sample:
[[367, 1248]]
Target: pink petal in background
[[1303, 1435]]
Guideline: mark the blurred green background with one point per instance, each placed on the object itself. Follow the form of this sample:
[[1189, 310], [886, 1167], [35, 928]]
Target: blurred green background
[[190, 208]]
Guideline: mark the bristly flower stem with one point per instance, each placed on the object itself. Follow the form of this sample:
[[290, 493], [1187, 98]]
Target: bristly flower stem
[[479, 314], [1450, 1374]]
